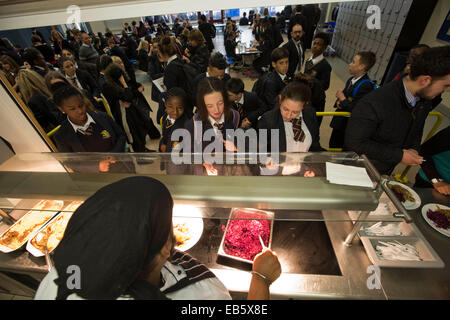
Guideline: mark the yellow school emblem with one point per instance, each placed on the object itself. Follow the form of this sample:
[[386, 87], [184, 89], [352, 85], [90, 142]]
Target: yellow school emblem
[[350, 99], [105, 134], [314, 73]]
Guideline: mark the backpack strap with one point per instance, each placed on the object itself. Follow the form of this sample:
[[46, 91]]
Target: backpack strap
[[355, 90], [236, 118], [198, 127]]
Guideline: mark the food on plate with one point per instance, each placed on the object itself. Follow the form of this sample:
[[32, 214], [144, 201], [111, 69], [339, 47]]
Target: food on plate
[[394, 250], [401, 193], [181, 233], [19, 233], [440, 217], [242, 235], [51, 235]]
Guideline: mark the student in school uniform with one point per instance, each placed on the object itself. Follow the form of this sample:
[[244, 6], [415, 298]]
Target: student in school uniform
[[174, 118], [317, 93], [298, 127], [356, 87], [79, 78], [197, 53], [277, 79], [85, 131], [317, 65], [216, 68], [248, 104], [174, 75], [214, 112], [296, 50]]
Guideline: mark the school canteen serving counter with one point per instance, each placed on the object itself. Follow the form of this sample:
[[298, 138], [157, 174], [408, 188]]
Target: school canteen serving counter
[[312, 230]]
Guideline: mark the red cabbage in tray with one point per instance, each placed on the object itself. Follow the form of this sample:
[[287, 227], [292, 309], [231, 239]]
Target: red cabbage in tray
[[439, 219], [242, 237]]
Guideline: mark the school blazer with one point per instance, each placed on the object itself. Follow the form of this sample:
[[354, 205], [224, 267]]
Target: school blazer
[[349, 103], [253, 107], [273, 120], [273, 85], [88, 82], [67, 141], [322, 72]]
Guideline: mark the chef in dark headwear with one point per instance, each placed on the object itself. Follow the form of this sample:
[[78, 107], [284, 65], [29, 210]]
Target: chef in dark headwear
[[121, 242]]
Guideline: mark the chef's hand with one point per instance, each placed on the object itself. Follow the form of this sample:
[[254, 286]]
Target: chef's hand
[[442, 187], [103, 165], [267, 264], [229, 146], [309, 174], [210, 170], [411, 157], [246, 123]]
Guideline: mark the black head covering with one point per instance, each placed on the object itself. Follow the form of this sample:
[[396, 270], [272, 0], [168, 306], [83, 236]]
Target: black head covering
[[112, 236]]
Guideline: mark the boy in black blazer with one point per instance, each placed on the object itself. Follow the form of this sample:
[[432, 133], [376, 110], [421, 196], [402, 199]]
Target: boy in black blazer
[[174, 118], [277, 79], [356, 87], [217, 65], [317, 65], [248, 104]]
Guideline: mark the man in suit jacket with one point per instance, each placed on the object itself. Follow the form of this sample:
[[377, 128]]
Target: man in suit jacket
[[296, 50], [387, 124], [248, 104], [297, 18], [356, 87], [317, 65]]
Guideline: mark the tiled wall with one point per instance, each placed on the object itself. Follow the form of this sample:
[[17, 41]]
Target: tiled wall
[[352, 35]]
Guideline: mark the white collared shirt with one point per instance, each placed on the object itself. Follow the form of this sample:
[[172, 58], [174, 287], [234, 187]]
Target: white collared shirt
[[171, 58], [76, 79], [282, 76], [317, 59], [297, 146], [298, 45], [83, 128], [172, 121], [357, 79], [242, 100], [213, 121]]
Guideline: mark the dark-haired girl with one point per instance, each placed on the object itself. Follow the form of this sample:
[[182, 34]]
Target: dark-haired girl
[[298, 127]]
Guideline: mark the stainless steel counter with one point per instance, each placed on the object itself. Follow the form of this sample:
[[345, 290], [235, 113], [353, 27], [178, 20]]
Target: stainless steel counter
[[353, 263]]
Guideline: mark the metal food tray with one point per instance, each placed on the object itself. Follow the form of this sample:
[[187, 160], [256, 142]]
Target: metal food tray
[[407, 229], [429, 257], [270, 216], [51, 215]]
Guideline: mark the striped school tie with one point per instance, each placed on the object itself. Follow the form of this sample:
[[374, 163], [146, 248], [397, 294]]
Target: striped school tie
[[299, 135], [219, 126], [89, 131], [238, 107]]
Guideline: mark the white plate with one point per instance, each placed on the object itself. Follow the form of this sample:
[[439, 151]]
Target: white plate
[[432, 206], [192, 219], [408, 204]]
